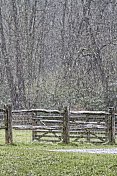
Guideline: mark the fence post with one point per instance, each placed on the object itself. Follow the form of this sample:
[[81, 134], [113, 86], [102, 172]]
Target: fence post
[[66, 126], [112, 126], [8, 124], [33, 125]]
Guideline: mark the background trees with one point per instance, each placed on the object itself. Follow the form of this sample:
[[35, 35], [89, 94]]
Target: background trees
[[58, 51]]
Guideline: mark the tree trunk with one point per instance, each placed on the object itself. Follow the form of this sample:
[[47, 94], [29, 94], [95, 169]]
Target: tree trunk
[[9, 75], [19, 62]]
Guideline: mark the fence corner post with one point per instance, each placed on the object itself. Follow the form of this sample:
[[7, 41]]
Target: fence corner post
[[8, 124], [65, 135], [112, 125]]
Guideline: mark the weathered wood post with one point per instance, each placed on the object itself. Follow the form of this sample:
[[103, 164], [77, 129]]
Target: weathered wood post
[[8, 124], [112, 126], [33, 125], [65, 134]]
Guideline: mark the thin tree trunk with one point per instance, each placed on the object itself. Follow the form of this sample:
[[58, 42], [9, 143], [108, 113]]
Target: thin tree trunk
[[12, 87], [19, 62]]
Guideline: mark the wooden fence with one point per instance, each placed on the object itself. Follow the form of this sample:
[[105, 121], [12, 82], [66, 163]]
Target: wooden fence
[[66, 126], [6, 123], [61, 126]]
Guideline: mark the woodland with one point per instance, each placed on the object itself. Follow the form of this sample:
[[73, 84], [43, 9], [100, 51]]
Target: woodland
[[58, 52]]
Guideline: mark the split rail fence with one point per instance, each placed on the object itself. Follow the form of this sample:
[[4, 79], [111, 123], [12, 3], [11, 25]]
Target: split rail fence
[[61, 126]]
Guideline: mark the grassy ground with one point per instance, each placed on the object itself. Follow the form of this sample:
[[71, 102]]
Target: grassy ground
[[33, 159]]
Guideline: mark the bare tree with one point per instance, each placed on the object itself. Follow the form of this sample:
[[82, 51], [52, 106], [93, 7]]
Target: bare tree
[[9, 74], [19, 63]]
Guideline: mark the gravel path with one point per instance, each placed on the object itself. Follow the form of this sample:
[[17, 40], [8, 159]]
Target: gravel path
[[97, 151]]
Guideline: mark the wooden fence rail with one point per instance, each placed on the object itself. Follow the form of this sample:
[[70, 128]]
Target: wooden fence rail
[[104, 123], [62, 125], [66, 125]]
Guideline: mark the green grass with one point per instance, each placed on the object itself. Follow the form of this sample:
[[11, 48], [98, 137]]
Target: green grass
[[25, 158], [35, 160]]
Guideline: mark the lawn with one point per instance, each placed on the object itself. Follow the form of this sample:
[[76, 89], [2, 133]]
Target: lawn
[[25, 158], [35, 160]]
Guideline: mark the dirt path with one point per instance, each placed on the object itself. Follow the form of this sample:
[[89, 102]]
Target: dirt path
[[96, 151]]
